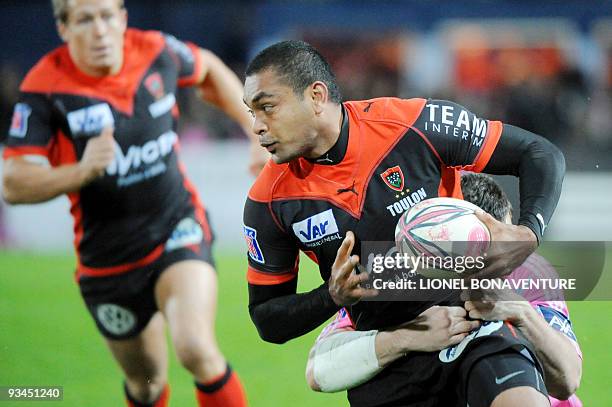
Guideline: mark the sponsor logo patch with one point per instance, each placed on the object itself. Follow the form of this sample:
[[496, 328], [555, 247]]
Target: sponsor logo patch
[[316, 227], [90, 121], [19, 122], [187, 233], [115, 319], [487, 328], [255, 253], [402, 205], [162, 106], [558, 321], [142, 162], [449, 120]]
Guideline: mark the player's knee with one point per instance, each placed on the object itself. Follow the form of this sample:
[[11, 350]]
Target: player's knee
[[571, 386], [523, 395], [146, 389], [565, 388], [197, 355]]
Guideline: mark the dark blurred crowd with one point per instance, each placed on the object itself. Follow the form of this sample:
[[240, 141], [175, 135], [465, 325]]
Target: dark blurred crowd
[[535, 91], [548, 96]]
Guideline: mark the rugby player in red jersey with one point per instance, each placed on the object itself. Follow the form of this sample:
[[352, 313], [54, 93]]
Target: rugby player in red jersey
[[343, 357], [343, 173], [96, 120]]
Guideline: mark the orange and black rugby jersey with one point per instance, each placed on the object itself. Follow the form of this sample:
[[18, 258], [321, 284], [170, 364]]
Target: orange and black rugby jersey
[[122, 219], [398, 153]]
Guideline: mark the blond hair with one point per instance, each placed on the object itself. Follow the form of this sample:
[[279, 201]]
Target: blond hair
[[60, 9]]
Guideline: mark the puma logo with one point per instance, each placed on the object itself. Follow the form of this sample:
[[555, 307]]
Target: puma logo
[[349, 189], [325, 159]]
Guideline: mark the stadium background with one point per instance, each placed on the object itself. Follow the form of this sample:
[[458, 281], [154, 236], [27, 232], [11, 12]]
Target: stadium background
[[543, 65]]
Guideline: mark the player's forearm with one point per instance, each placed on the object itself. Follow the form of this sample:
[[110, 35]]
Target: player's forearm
[[540, 165], [346, 359], [562, 365], [286, 317], [388, 347], [32, 183], [222, 88], [541, 177], [343, 360]]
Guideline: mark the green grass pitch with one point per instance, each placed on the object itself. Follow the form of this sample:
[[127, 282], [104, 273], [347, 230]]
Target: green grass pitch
[[47, 338]]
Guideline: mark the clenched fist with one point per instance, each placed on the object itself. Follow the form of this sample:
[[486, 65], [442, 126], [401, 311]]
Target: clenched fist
[[99, 153]]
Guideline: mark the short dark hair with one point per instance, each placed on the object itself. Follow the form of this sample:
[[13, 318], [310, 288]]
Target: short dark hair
[[483, 191], [298, 64]]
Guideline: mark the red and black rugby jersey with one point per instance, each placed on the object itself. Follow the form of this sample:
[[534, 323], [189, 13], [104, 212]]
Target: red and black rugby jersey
[[122, 219], [398, 153]]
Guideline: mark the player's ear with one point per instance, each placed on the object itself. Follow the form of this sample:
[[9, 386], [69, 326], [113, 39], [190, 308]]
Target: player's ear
[[319, 95], [62, 30], [124, 18]]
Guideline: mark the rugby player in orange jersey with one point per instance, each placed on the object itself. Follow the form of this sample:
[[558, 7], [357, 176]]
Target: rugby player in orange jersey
[[101, 110]]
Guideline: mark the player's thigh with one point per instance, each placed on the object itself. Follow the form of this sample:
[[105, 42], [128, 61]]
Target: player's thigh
[[143, 357], [505, 377], [186, 292], [124, 310]]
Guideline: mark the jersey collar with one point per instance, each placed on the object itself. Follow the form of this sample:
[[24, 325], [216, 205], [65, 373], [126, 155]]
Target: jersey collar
[[336, 154]]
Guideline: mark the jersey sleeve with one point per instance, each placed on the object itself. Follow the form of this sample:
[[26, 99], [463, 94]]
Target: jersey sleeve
[[463, 141], [540, 166], [272, 254], [275, 307], [457, 137], [31, 129], [556, 314], [188, 60], [342, 322]]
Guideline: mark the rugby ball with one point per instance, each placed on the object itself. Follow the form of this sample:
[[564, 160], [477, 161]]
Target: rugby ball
[[441, 227]]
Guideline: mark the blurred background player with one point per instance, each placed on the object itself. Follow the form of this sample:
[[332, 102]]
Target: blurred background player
[[339, 175], [101, 110], [343, 358]]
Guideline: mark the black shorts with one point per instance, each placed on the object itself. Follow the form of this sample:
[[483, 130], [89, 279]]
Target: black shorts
[[432, 379], [493, 374], [122, 305]]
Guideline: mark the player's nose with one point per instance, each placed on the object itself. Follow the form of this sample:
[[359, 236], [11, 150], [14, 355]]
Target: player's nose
[[259, 127], [100, 26]]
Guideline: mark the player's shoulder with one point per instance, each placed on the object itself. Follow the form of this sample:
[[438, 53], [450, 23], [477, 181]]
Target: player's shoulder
[[284, 181], [390, 109], [536, 266], [143, 40], [263, 187]]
